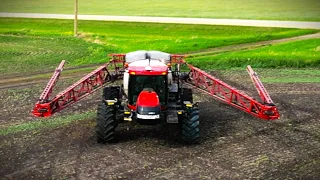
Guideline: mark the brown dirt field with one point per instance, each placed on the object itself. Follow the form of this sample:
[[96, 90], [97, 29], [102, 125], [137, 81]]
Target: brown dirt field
[[234, 145]]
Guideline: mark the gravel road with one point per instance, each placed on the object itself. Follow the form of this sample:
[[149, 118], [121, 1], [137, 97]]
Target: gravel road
[[208, 21]]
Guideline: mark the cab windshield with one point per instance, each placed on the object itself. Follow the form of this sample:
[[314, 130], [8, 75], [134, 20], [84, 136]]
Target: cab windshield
[[140, 82]]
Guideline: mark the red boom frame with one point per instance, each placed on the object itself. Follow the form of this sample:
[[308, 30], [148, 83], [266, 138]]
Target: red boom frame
[[85, 86], [227, 94], [197, 78]]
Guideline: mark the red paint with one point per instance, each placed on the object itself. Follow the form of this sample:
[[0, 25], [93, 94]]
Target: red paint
[[145, 67], [87, 85], [142, 68], [148, 98], [199, 79], [230, 95], [132, 107], [144, 72]]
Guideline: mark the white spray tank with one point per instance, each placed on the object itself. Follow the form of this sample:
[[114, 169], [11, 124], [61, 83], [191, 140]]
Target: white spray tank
[[126, 81], [169, 77]]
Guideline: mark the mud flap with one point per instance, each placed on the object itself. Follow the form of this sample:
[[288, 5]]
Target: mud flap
[[172, 116]]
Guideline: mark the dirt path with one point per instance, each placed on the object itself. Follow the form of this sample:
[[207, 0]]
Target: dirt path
[[208, 21]]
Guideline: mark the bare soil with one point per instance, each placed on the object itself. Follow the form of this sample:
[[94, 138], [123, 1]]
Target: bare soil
[[234, 145]]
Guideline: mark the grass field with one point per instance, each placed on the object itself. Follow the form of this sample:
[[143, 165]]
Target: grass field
[[307, 10], [46, 123], [23, 53], [234, 145], [40, 44], [298, 54]]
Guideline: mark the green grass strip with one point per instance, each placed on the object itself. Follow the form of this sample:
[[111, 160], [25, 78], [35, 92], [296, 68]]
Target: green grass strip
[[244, 9], [292, 80], [40, 44], [46, 123], [298, 54]]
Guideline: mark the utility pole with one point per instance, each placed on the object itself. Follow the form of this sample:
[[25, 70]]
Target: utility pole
[[75, 18]]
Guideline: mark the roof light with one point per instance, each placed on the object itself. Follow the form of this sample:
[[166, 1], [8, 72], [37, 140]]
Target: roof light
[[148, 68], [126, 65]]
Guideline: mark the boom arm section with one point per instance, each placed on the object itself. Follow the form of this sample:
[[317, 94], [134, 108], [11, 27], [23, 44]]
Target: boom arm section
[[229, 95], [87, 85], [264, 95]]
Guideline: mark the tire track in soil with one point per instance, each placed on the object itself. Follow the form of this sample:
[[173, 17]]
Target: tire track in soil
[[19, 81]]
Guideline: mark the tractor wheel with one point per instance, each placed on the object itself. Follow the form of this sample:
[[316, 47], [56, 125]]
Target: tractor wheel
[[111, 92], [106, 123], [187, 95], [190, 126]]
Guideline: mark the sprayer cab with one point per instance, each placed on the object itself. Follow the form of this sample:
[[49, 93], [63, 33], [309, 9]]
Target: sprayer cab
[[146, 84]]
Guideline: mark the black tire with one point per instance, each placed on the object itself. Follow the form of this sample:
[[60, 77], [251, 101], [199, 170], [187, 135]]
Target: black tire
[[111, 93], [187, 95], [106, 123], [190, 131]]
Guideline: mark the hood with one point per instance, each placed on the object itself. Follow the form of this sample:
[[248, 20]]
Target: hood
[[148, 97], [148, 102]]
